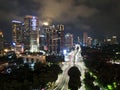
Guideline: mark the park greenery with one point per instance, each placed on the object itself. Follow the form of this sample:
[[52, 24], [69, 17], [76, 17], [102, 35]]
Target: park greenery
[[100, 67], [22, 77]]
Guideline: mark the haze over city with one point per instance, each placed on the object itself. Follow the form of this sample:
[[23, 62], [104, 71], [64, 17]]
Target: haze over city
[[97, 17]]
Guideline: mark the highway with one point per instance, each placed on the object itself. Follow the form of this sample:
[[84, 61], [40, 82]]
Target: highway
[[62, 82], [73, 59]]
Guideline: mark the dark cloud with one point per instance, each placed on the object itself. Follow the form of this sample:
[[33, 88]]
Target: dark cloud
[[64, 11], [28, 7], [18, 8], [98, 17], [7, 6]]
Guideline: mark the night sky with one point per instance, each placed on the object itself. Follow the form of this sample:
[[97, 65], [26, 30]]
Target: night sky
[[100, 18]]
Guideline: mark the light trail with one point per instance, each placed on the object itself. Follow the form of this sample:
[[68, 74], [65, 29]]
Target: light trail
[[74, 58]]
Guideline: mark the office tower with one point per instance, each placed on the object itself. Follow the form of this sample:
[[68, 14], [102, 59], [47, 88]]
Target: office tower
[[85, 38], [68, 41], [95, 42], [43, 30], [89, 41], [78, 40], [55, 39], [114, 40], [61, 38], [31, 33], [17, 36], [108, 40], [1, 43]]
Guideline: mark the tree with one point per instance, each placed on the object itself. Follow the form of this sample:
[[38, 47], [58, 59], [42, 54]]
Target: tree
[[74, 80]]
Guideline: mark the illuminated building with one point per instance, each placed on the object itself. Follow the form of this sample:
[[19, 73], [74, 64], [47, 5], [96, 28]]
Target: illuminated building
[[78, 40], [61, 38], [31, 33], [95, 42], [68, 41], [110, 40], [85, 38], [43, 29], [114, 40], [89, 41], [55, 39], [1, 43], [17, 36]]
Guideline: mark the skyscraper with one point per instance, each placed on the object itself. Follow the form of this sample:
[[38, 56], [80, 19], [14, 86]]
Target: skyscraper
[[55, 39], [68, 41], [1, 43], [17, 35], [111, 40], [17, 31], [114, 40], [89, 41], [31, 33], [61, 38], [43, 40], [85, 38]]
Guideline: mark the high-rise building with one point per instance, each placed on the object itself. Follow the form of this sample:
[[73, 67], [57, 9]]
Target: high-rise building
[[61, 38], [85, 38], [114, 40], [111, 40], [17, 31], [95, 42], [68, 41], [31, 33], [17, 36], [55, 39], [89, 41], [78, 40], [43, 40], [1, 43]]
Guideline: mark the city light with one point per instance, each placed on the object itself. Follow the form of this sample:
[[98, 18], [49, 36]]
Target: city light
[[45, 23], [60, 45], [6, 50], [64, 52], [34, 23], [15, 21], [14, 44]]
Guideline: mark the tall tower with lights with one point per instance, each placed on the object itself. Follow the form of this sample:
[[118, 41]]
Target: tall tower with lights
[[85, 38], [114, 40], [89, 41], [61, 38], [31, 33], [17, 36], [43, 29], [1, 43], [68, 41], [55, 39]]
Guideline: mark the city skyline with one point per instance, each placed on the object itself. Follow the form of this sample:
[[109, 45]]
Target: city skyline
[[98, 18]]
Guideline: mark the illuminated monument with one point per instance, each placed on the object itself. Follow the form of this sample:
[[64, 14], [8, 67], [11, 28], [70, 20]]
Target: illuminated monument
[[31, 33]]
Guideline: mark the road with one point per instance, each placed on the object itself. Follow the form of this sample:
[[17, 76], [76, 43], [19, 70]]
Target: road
[[73, 59], [62, 82]]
